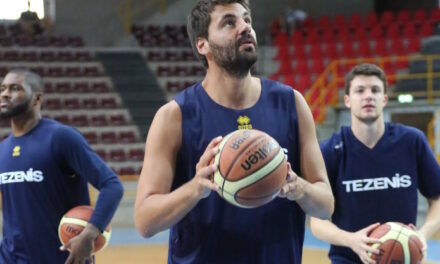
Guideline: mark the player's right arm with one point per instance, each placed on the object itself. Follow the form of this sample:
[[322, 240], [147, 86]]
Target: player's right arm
[[358, 241], [156, 207]]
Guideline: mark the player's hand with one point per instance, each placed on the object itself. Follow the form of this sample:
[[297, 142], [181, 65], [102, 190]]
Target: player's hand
[[81, 246], [293, 189], [201, 181], [422, 239], [359, 242]]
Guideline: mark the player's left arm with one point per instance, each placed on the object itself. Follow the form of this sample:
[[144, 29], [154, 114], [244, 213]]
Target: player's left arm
[[432, 219], [78, 155], [312, 190]]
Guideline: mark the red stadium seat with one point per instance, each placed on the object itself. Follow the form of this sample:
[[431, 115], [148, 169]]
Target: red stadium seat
[[136, 154], [386, 18], [414, 44], [90, 103], [63, 87], [299, 52], [426, 29], [409, 30], [109, 103], [11, 55], [355, 20], [108, 137], [100, 87], [376, 32], [403, 16], [72, 103], [317, 66], [303, 83], [122, 171], [117, 155], [62, 119], [65, 56], [117, 120], [81, 87], [91, 137], [297, 38], [347, 50], [53, 104], [420, 15], [364, 49], [435, 15], [98, 120], [360, 34], [397, 46], [29, 56], [381, 47], [91, 71], [55, 71], [339, 21], [393, 30], [301, 67], [330, 51], [371, 19], [73, 71], [315, 50], [47, 56], [312, 36], [102, 153], [127, 137], [80, 120]]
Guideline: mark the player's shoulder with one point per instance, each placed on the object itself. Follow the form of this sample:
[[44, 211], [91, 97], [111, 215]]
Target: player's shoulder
[[187, 94], [276, 86], [403, 132]]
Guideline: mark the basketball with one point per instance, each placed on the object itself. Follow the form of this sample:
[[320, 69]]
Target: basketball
[[252, 168], [73, 223], [400, 244]]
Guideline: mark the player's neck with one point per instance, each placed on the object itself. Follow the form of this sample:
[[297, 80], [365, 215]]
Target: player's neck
[[24, 123], [231, 92], [369, 133]]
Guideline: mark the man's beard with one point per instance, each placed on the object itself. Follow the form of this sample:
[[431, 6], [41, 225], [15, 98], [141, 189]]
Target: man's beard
[[16, 110], [235, 62]]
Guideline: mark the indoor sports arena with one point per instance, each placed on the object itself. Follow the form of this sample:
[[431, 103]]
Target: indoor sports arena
[[361, 134]]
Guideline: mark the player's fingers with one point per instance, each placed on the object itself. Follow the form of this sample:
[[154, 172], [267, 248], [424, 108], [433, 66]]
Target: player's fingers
[[209, 184], [206, 172], [206, 157], [370, 228]]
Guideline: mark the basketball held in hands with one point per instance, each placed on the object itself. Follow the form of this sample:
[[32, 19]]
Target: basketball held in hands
[[252, 168], [74, 222], [399, 244]]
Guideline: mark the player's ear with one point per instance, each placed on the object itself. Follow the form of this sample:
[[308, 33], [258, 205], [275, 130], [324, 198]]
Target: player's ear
[[385, 100], [38, 97], [347, 101], [202, 45]]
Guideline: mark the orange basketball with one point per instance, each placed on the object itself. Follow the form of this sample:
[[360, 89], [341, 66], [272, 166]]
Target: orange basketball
[[400, 244], [73, 223], [252, 168]]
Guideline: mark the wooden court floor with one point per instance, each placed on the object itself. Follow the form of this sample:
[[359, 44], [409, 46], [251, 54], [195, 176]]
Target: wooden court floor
[[152, 254]]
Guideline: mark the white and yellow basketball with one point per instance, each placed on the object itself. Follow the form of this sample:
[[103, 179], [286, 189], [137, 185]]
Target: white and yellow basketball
[[252, 168]]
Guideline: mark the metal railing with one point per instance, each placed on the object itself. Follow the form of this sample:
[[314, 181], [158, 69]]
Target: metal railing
[[324, 92]]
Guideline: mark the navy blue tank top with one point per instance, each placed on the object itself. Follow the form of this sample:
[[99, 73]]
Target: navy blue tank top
[[216, 231]]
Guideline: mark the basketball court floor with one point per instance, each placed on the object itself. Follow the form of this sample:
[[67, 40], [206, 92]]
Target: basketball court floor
[[126, 246]]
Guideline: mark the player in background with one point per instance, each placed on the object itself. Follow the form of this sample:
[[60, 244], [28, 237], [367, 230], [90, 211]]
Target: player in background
[[174, 189], [44, 171], [375, 169]]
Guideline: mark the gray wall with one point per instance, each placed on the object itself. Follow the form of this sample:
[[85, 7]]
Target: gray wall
[[99, 24]]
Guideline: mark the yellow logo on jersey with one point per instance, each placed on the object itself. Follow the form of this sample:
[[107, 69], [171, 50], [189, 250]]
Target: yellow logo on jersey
[[16, 151], [244, 122]]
